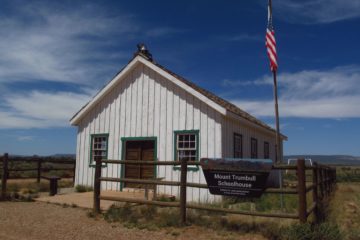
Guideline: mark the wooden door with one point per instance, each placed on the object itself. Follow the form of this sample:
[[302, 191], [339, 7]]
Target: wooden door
[[140, 151]]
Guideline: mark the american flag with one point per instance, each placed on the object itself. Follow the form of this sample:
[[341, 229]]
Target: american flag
[[270, 41]]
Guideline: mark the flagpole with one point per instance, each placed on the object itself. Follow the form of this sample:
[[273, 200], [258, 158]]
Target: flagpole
[[277, 146], [278, 154], [277, 141]]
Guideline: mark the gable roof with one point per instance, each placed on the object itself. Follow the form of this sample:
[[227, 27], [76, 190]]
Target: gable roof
[[210, 98]]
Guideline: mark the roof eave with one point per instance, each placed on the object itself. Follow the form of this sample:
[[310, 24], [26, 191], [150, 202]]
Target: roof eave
[[74, 121]]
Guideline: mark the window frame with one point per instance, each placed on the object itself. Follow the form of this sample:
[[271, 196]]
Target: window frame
[[241, 145], [93, 136], [256, 148], [266, 150], [197, 144]]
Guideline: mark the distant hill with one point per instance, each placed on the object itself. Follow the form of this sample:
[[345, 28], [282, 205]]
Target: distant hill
[[59, 155], [63, 155], [329, 159]]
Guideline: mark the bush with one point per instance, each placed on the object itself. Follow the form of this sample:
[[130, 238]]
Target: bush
[[298, 232], [83, 188], [324, 231], [148, 212], [169, 218], [116, 214]]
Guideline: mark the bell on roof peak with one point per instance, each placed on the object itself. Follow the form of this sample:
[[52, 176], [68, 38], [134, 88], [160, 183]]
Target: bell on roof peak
[[143, 51]]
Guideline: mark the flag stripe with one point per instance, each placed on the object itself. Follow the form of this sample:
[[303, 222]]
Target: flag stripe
[[269, 44]]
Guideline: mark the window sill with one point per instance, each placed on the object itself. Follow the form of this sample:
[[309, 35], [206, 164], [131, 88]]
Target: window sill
[[191, 169], [93, 165]]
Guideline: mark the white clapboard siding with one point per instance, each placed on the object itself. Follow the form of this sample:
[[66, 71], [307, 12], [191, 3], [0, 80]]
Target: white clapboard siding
[[145, 104], [247, 132]]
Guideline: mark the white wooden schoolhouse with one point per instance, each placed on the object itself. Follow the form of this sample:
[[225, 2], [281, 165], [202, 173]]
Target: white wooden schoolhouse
[[147, 112]]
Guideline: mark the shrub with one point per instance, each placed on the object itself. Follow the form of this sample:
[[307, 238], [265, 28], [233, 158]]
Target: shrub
[[148, 212], [83, 188], [327, 231], [353, 234], [169, 218], [298, 232], [324, 231], [116, 214], [91, 214]]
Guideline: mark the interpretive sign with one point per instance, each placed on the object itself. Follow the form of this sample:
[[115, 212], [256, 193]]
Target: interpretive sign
[[236, 176]]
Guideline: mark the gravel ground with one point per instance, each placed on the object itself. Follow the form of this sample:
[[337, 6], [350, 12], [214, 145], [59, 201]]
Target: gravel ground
[[36, 220]]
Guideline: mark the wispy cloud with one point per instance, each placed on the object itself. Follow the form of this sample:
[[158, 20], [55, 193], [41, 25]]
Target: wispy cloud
[[61, 43], [314, 94], [240, 83], [25, 138], [163, 31], [67, 44], [46, 109], [242, 37], [316, 11]]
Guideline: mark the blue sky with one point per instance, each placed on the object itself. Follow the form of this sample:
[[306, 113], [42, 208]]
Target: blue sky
[[56, 55]]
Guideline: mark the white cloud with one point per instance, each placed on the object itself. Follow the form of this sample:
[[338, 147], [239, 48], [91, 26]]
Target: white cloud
[[316, 11], [64, 43], [238, 83], [341, 107], [315, 94], [67, 43], [25, 138], [243, 37], [59, 45], [41, 109], [163, 31]]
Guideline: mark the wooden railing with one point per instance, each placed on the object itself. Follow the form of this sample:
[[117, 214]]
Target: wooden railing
[[8, 166], [322, 184]]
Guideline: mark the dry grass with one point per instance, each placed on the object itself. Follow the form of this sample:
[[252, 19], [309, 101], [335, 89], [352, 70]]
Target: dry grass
[[155, 218], [31, 186], [345, 209]]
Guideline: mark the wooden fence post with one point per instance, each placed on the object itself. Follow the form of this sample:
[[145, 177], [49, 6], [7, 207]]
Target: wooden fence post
[[5, 174], [97, 184], [38, 170], [301, 189], [331, 179], [315, 193], [183, 191], [334, 177], [326, 182], [321, 183]]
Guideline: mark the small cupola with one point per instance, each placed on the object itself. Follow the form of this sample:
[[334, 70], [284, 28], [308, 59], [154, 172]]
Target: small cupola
[[143, 51]]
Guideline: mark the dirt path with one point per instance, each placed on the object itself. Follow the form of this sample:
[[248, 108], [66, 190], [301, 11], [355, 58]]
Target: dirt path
[[36, 220]]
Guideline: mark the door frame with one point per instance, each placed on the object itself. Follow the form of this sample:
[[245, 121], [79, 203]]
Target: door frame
[[123, 151]]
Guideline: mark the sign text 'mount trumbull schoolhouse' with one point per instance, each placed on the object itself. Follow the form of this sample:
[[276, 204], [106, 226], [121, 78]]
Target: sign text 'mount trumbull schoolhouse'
[[234, 180]]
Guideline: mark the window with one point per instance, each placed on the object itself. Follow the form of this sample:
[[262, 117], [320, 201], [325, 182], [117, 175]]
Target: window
[[266, 150], [254, 146], [186, 147], [99, 145], [238, 152]]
